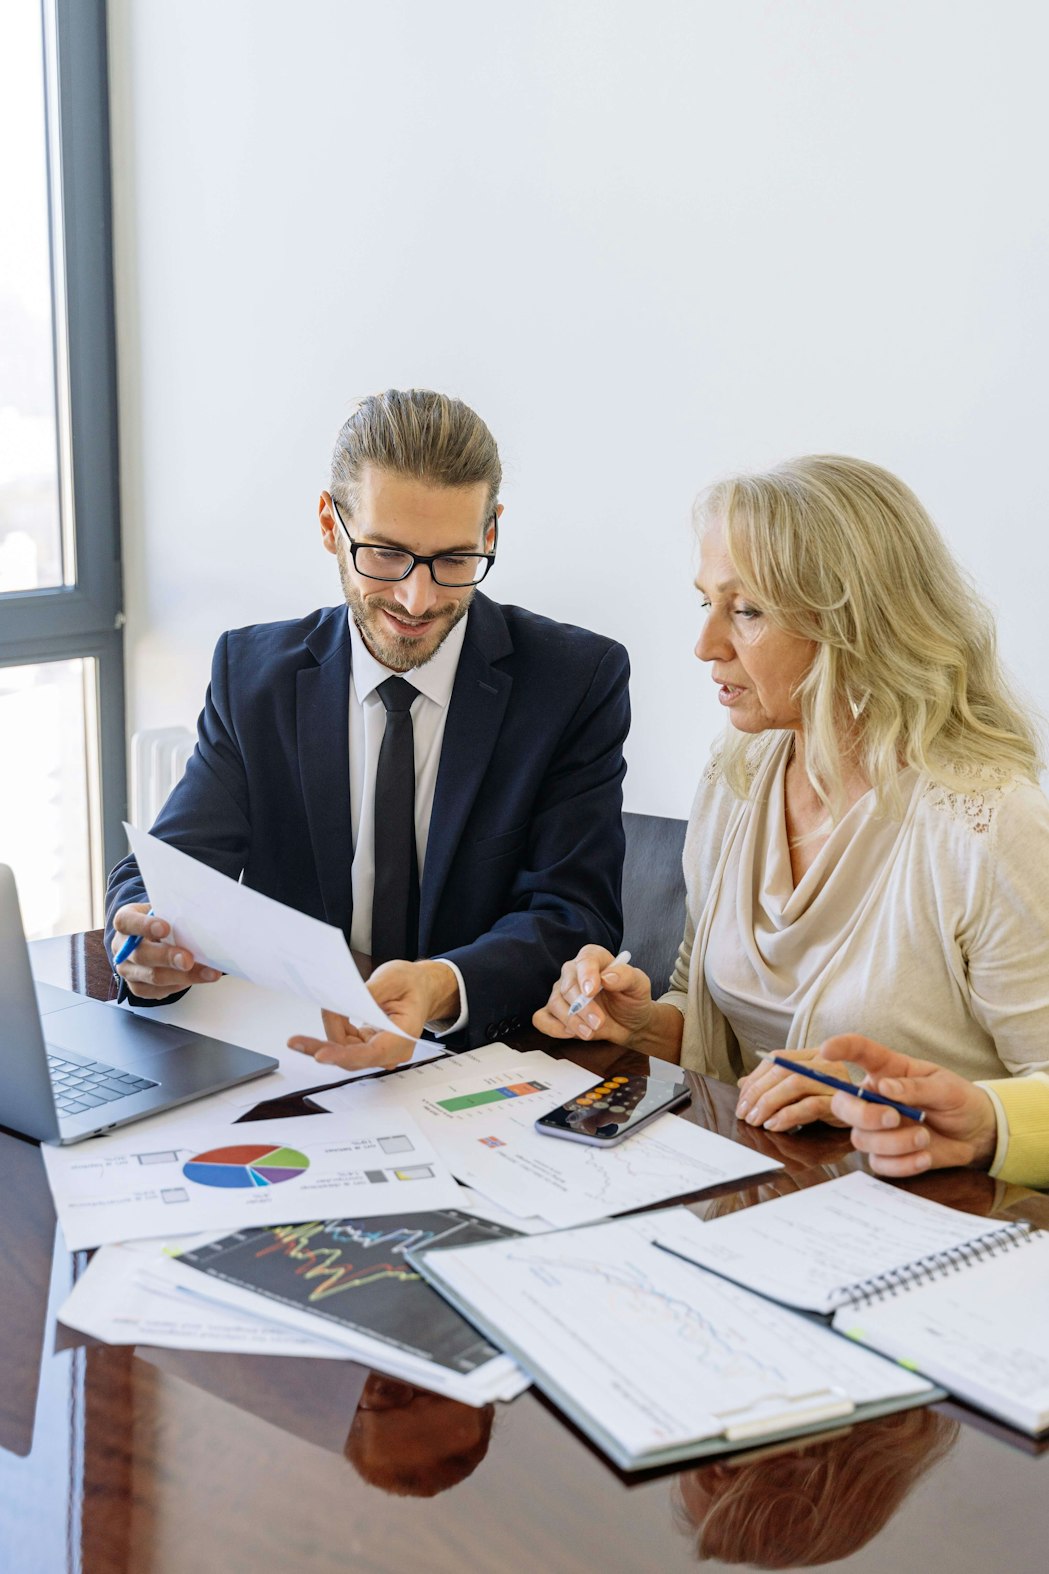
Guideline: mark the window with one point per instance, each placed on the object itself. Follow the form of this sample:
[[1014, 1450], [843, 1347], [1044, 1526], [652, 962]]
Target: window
[[62, 772]]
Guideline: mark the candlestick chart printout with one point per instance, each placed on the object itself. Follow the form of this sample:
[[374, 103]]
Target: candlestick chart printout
[[354, 1273]]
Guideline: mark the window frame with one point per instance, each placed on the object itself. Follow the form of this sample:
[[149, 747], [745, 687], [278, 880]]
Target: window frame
[[85, 618]]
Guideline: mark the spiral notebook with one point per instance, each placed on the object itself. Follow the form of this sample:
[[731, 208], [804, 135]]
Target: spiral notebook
[[961, 1298]]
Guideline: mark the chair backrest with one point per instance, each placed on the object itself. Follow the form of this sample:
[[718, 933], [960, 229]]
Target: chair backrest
[[653, 894]]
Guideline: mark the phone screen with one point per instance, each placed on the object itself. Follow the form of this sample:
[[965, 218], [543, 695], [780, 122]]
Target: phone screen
[[613, 1109]]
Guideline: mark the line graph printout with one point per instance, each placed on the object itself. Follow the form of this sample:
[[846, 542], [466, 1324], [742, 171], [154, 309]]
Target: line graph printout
[[571, 1183], [128, 1186], [648, 1352], [351, 1276]]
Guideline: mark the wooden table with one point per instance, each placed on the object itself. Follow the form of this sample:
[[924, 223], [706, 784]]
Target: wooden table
[[157, 1462]]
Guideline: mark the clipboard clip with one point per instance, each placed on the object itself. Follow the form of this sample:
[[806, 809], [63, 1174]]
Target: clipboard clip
[[793, 1410]]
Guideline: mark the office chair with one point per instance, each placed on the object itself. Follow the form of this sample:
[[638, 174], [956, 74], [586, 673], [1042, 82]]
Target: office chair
[[653, 894]]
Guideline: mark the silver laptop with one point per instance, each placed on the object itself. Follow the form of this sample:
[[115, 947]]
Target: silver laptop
[[71, 1067]]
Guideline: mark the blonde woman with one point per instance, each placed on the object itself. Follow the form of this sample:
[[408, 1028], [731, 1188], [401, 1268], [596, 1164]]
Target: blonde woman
[[869, 848]]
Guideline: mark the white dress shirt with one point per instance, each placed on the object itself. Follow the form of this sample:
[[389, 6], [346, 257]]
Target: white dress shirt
[[434, 682]]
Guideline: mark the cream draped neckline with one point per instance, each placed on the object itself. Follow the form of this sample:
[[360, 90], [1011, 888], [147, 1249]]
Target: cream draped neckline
[[769, 939]]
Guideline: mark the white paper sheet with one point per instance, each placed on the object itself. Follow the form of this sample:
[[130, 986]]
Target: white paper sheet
[[119, 1300], [411, 1079], [261, 1019], [236, 930], [812, 1248], [476, 1202], [126, 1186], [658, 1353], [494, 1148], [569, 1183]]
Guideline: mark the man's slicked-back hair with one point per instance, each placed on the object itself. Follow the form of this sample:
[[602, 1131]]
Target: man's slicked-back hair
[[414, 432]]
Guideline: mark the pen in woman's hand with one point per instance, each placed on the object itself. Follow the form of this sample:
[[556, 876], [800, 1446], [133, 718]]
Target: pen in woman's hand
[[856, 1089]]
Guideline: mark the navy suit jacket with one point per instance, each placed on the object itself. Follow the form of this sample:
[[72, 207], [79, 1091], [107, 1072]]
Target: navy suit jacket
[[525, 850]]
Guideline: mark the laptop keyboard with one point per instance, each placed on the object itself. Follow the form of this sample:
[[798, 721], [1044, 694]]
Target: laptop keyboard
[[81, 1086]]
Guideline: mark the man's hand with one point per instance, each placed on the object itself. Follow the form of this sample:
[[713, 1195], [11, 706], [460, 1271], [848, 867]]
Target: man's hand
[[959, 1126], [411, 994], [778, 1099], [154, 970]]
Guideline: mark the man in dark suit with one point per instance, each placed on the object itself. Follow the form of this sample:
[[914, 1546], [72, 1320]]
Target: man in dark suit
[[437, 775]]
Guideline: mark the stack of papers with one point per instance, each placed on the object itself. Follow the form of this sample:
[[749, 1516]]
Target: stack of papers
[[479, 1112], [290, 1236], [341, 1289], [124, 1297]]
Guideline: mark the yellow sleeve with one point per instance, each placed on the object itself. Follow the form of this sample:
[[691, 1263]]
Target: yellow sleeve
[[1021, 1107]]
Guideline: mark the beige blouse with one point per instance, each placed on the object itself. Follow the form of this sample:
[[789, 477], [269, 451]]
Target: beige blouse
[[928, 932]]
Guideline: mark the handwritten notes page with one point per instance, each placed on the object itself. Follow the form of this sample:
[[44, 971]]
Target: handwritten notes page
[[980, 1332], [815, 1248]]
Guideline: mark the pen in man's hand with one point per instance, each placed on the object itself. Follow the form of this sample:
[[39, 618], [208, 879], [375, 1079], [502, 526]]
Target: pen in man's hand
[[584, 1000], [130, 944]]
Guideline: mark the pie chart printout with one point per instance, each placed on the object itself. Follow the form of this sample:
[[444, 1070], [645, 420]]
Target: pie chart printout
[[249, 1165]]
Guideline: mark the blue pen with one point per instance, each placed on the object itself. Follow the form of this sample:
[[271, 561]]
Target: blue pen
[[846, 1087], [130, 943]]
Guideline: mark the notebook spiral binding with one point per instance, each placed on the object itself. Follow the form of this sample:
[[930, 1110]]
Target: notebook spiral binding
[[937, 1265]]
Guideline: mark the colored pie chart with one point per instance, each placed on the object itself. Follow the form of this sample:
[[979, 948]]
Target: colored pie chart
[[250, 1166]]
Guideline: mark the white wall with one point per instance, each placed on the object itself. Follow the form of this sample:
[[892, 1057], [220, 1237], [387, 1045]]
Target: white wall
[[649, 242]]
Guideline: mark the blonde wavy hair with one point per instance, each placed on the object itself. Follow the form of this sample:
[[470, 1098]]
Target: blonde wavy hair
[[813, 1502], [906, 670]]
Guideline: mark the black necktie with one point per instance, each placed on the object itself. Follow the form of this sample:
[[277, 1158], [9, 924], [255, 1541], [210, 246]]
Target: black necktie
[[395, 903]]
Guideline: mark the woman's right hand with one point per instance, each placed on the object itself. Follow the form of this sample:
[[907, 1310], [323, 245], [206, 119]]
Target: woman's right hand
[[620, 1005]]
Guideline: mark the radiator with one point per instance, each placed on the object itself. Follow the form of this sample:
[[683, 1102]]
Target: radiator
[[158, 759]]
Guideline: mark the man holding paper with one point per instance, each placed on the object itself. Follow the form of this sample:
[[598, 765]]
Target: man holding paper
[[438, 776]]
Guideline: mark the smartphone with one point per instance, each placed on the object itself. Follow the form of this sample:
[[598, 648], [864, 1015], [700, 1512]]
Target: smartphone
[[609, 1113]]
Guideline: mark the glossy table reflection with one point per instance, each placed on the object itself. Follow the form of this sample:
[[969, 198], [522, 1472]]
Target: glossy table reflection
[[162, 1462]]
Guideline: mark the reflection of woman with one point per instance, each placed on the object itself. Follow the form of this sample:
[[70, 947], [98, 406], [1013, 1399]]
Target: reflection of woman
[[806, 1505], [869, 849]]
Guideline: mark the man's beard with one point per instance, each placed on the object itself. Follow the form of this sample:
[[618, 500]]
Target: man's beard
[[397, 651]]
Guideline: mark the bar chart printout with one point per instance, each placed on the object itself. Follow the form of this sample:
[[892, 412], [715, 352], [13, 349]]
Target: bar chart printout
[[512, 1090]]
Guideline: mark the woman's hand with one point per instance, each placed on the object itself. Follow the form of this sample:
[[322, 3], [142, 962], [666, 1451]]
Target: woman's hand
[[773, 1097], [959, 1127], [620, 1006]]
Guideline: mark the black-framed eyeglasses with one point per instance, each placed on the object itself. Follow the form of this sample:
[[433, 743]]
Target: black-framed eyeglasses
[[451, 569]]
